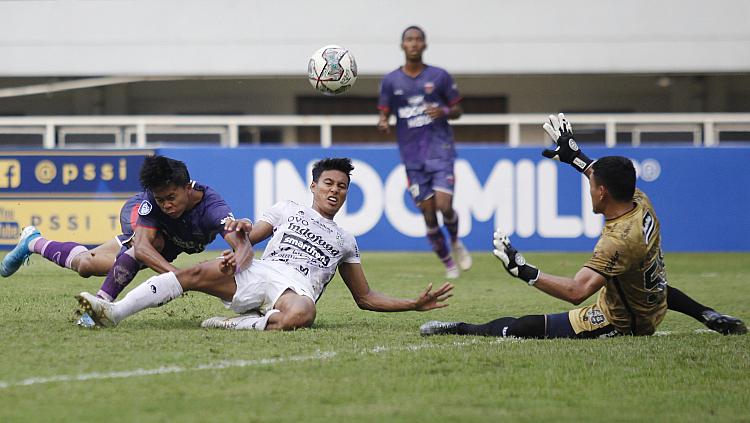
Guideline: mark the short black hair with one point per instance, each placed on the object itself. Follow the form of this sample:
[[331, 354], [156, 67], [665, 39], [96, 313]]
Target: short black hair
[[160, 171], [403, 34], [617, 174], [343, 164]]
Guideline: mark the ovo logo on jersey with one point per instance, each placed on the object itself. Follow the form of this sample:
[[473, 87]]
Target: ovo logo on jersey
[[10, 173]]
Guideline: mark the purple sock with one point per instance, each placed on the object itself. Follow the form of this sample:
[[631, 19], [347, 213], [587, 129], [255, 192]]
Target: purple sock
[[437, 241], [452, 226], [60, 253], [119, 276]]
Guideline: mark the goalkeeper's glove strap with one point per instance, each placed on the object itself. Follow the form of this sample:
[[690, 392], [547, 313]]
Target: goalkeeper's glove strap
[[529, 274], [581, 162]]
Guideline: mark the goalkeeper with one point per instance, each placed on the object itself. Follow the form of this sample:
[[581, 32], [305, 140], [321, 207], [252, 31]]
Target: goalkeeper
[[626, 268]]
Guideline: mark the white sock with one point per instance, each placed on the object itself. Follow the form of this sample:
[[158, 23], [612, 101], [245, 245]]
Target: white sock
[[155, 292], [244, 322]]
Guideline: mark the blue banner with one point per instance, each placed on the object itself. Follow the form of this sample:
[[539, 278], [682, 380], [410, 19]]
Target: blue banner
[[72, 195], [66, 172], [701, 195]]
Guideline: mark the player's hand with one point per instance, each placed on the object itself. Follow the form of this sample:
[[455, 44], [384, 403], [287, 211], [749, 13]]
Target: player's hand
[[512, 260], [383, 126], [239, 225], [228, 263], [566, 150], [430, 300], [435, 112]]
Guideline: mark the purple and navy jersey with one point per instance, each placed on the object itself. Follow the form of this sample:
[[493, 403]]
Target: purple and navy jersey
[[196, 228], [424, 143]]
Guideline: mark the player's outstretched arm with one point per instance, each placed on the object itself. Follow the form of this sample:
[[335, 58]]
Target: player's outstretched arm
[[566, 150], [585, 283], [261, 231], [146, 253], [368, 299]]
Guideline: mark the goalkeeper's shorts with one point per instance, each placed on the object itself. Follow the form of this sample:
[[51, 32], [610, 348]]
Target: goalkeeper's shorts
[[585, 322]]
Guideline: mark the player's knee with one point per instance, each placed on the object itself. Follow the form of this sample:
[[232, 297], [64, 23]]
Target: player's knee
[[446, 210], [298, 317], [190, 278], [85, 267]]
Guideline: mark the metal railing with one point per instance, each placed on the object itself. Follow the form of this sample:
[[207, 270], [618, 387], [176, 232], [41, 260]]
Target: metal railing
[[704, 127]]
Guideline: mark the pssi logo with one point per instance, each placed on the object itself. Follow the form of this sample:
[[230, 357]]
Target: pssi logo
[[10, 173], [46, 171]]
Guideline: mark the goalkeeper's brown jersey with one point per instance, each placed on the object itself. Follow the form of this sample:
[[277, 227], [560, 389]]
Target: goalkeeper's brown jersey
[[628, 255]]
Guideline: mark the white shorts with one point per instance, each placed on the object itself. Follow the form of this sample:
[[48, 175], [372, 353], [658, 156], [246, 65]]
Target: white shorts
[[260, 286]]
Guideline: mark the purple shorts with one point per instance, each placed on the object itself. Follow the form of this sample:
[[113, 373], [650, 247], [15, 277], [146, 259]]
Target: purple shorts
[[423, 184]]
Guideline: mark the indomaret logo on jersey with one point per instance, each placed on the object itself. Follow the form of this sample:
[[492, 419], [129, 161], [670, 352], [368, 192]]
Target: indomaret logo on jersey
[[314, 238], [307, 247]]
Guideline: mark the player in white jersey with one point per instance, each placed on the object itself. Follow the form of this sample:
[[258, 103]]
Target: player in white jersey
[[279, 290]]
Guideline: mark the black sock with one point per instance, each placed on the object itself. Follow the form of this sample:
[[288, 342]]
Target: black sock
[[680, 302], [527, 327], [493, 328]]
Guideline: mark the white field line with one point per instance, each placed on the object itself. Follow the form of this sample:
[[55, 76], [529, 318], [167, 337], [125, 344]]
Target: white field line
[[226, 364], [320, 355], [165, 370]]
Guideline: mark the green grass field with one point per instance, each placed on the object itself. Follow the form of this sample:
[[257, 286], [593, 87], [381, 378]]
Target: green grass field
[[362, 366]]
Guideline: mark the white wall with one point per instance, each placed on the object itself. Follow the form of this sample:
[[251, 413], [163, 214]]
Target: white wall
[[232, 37]]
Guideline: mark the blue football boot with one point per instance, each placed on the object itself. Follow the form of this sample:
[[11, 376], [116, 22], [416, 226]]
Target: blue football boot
[[15, 258]]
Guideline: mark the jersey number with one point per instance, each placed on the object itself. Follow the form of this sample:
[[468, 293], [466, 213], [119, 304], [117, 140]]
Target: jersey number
[[655, 278]]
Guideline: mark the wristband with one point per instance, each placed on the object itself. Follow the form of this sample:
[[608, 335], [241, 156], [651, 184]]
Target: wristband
[[446, 111]]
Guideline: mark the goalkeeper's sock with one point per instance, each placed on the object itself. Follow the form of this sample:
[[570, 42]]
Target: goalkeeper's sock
[[451, 224], [497, 327], [532, 326], [678, 301], [155, 292], [439, 246]]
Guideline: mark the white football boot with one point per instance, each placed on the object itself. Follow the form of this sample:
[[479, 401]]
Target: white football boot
[[435, 327], [452, 272], [99, 309], [461, 255]]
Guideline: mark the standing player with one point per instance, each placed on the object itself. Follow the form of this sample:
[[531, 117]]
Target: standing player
[[423, 98], [172, 215], [627, 267], [278, 291]]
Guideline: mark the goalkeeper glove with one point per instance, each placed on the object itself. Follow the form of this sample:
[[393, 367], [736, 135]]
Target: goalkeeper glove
[[566, 150], [512, 260]]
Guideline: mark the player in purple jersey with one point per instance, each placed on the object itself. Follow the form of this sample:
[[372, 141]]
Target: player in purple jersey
[[277, 291], [172, 215], [423, 98]]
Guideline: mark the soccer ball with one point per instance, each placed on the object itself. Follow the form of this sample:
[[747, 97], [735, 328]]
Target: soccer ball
[[332, 70]]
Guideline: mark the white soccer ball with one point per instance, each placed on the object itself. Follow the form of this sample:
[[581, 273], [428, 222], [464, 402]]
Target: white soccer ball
[[332, 70]]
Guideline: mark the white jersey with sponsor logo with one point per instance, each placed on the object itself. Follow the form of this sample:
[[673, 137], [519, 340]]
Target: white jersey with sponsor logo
[[308, 243]]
